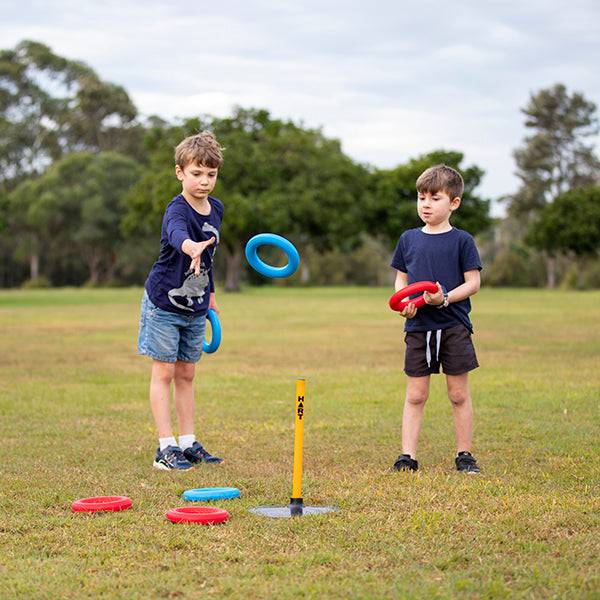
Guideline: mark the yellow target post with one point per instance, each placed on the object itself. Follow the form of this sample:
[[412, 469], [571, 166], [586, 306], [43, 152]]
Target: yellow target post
[[296, 507], [296, 503]]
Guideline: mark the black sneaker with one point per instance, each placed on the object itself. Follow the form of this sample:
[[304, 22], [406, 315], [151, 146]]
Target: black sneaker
[[171, 458], [466, 463], [197, 454], [405, 463]]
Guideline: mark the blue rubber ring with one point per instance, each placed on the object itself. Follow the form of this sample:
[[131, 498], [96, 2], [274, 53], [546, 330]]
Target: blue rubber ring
[[270, 239], [204, 494], [215, 325]]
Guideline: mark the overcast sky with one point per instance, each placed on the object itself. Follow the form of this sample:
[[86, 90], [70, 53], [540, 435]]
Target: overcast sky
[[391, 79]]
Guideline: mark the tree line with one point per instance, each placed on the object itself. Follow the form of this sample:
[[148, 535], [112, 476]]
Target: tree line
[[84, 180]]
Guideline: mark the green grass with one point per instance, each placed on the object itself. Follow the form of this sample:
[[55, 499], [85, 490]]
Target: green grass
[[75, 422]]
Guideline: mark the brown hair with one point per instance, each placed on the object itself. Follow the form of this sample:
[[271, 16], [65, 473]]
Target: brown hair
[[202, 148], [441, 178]]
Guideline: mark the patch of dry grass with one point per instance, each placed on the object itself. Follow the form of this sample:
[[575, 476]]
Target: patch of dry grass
[[75, 422]]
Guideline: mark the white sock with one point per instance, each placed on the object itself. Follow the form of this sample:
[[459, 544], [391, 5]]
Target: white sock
[[186, 441], [168, 441]]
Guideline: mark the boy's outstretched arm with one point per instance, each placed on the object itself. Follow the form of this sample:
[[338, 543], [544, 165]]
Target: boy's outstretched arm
[[194, 250]]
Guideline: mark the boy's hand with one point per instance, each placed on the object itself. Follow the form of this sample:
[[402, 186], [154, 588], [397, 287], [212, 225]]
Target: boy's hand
[[434, 299], [212, 303], [195, 250], [195, 266], [409, 312]]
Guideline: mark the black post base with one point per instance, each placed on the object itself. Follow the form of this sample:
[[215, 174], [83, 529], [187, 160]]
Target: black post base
[[296, 507]]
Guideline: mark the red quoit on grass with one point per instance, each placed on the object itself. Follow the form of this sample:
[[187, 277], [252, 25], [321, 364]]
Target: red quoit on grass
[[206, 515], [99, 503], [399, 301]]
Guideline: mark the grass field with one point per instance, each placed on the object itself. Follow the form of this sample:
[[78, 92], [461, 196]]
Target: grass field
[[75, 422]]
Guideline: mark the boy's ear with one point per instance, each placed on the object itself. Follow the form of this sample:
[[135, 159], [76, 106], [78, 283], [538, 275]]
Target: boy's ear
[[178, 172], [455, 203]]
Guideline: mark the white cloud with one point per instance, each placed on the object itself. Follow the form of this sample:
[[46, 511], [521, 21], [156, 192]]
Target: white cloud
[[391, 80]]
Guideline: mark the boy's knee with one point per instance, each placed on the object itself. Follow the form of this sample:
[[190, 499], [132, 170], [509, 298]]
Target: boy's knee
[[184, 372], [416, 398], [458, 397], [163, 372]]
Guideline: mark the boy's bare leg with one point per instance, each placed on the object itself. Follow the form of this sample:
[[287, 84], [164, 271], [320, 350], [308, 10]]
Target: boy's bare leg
[[462, 409], [160, 384], [417, 392], [184, 396]]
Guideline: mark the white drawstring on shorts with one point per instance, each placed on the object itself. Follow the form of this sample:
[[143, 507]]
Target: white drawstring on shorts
[[438, 343]]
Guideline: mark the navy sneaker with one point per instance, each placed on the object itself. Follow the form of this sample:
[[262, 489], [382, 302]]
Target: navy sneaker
[[405, 463], [197, 454], [466, 463], [171, 458]]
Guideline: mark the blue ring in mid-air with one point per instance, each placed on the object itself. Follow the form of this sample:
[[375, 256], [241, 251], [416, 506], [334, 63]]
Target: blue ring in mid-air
[[270, 239], [204, 494], [215, 325]]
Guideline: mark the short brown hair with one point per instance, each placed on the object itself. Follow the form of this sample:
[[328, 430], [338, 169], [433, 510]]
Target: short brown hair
[[202, 148], [441, 178]]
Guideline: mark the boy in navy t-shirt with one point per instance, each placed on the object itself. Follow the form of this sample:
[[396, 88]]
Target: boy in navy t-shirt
[[439, 333], [178, 292]]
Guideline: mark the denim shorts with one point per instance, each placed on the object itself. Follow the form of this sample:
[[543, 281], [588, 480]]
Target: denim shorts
[[169, 336]]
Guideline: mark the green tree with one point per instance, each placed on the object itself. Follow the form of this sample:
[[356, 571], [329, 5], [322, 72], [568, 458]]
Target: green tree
[[570, 224], [556, 157], [50, 105], [76, 205], [392, 199], [277, 177]]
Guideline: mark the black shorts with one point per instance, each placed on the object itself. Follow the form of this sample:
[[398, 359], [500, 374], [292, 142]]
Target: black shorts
[[427, 350]]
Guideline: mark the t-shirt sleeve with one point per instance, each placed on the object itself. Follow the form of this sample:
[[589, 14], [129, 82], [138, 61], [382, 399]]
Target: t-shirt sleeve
[[177, 230], [398, 261], [469, 255]]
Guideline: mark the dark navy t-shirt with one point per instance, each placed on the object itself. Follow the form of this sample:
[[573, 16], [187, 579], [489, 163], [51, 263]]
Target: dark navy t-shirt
[[443, 257], [171, 285]]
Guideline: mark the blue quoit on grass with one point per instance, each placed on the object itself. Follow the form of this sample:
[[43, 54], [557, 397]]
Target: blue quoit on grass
[[215, 325], [204, 494], [271, 239]]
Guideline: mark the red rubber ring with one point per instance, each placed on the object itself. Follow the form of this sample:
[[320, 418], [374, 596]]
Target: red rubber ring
[[399, 301], [207, 515], [98, 503]]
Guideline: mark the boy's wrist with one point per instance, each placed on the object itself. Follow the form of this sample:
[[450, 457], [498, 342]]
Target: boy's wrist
[[186, 246], [445, 300]]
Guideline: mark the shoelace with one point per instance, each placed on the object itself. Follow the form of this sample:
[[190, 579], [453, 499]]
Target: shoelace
[[177, 454]]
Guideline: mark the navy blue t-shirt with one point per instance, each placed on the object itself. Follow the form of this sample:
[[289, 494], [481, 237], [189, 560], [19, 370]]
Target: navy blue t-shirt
[[443, 257], [171, 285]]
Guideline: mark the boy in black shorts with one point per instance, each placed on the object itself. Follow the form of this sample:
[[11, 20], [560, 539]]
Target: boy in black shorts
[[438, 333]]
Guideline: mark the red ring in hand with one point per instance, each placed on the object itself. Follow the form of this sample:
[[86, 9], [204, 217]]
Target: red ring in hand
[[399, 301]]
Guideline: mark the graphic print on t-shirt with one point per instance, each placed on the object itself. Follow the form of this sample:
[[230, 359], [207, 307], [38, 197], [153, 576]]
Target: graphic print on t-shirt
[[194, 286]]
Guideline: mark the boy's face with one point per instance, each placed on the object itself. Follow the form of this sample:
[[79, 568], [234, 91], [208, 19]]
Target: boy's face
[[197, 180], [436, 208]]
